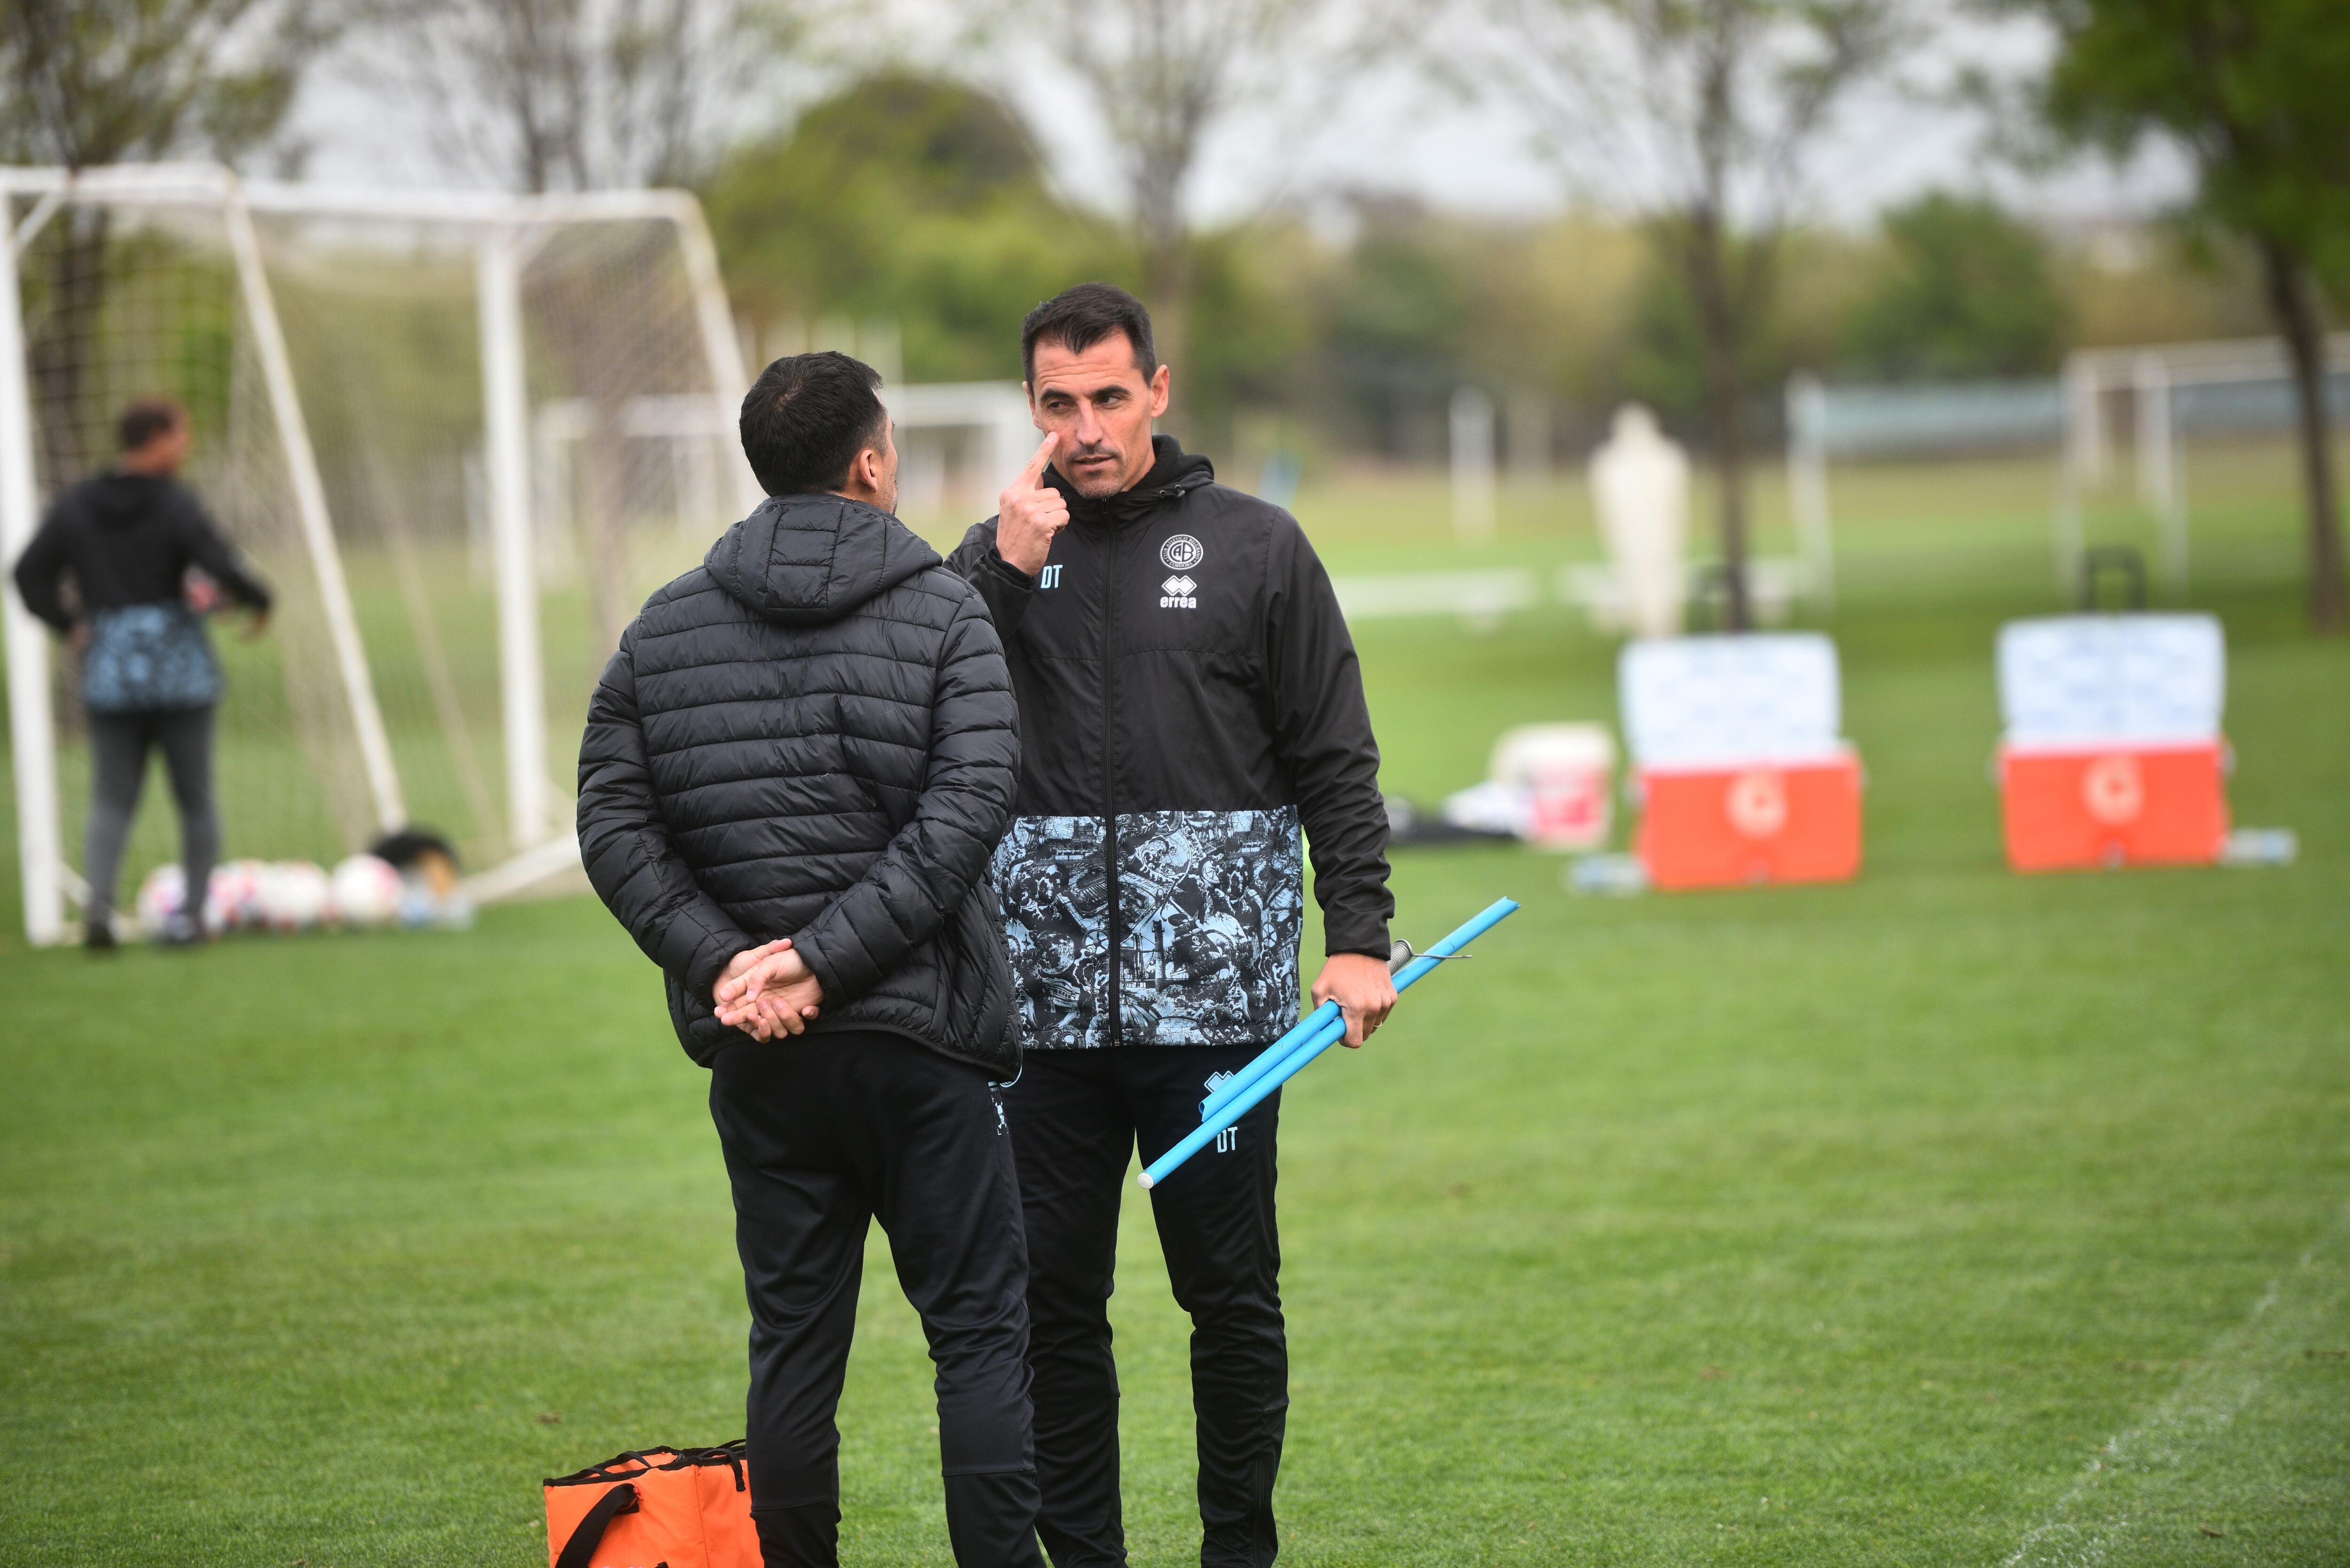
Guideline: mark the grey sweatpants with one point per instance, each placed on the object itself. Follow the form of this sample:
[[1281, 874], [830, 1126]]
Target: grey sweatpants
[[118, 744]]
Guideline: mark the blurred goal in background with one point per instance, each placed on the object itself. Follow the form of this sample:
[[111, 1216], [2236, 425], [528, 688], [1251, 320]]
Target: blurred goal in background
[[460, 434], [2161, 395]]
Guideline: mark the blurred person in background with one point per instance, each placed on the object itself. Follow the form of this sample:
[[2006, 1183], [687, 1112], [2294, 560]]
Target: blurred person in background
[[128, 538], [795, 770], [1189, 698]]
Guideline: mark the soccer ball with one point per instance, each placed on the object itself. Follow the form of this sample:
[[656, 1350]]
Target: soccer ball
[[160, 897], [236, 902], [366, 892], [294, 895]]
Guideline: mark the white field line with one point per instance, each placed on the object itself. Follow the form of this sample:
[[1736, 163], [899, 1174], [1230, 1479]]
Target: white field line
[[2086, 1521]]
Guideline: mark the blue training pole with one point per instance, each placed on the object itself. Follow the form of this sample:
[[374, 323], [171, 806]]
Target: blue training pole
[[1266, 1060], [1325, 1036]]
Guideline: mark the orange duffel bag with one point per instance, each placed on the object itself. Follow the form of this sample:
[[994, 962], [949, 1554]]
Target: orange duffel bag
[[654, 1508]]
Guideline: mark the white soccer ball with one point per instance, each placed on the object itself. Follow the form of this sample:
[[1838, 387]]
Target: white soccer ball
[[366, 892], [161, 897], [294, 895], [236, 902]]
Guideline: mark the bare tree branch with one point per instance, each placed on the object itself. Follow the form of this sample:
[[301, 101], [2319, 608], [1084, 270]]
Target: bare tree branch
[[1702, 114], [542, 95]]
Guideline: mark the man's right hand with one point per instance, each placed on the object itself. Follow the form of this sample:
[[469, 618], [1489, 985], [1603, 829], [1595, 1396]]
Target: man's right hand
[[1029, 512], [768, 992]]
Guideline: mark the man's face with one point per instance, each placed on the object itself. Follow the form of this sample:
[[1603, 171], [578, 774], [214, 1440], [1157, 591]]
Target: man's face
[[1101, 407]]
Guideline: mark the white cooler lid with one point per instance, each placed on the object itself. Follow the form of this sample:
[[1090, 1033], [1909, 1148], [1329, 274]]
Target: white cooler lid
[[2076, 680], [1723, 702]]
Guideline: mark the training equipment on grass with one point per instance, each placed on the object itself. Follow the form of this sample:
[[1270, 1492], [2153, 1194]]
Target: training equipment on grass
[[236, 894], [162, 895], [1315, 1033], [1550, 785], [1742, 773], [295, 896], [688, 1508], [2112, 754], [366, 892], [431, 419]]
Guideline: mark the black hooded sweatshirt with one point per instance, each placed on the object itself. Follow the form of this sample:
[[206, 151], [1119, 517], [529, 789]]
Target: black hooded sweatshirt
[[127, 539], [1189, 700], [812, 735]]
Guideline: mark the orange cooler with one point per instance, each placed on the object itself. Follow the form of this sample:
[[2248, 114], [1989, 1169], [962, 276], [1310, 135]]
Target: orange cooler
[[1770, 822], [2113, 754], [2068, 807], [1743, 777]]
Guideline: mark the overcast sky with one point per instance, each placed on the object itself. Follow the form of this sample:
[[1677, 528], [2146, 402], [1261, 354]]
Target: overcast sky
[[1393, 131]]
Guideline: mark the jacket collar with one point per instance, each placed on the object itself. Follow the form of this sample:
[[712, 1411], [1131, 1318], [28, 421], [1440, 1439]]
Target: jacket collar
[[1174, 474]]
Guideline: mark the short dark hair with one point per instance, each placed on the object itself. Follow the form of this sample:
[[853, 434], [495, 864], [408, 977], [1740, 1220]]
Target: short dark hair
[[806, 418], [145, 418], [1077, 318]]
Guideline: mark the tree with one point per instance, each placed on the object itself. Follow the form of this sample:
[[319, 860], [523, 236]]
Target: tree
[[2256, 94], [549, 95], [911, 198], [1161, 73], [90, 82], [1704, 112], [1968, 291]]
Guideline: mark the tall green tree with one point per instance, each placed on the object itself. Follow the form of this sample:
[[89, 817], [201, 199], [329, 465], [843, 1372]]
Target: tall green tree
[[90, 82], [909, 198], [1967, 290], [2256, 94]]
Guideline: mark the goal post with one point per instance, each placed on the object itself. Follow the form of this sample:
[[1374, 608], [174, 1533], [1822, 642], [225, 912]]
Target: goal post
[[375, 375], [2171, 391], [31, 740]]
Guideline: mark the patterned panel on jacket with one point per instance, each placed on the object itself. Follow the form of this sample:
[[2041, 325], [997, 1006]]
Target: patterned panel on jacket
[[1213, 907]]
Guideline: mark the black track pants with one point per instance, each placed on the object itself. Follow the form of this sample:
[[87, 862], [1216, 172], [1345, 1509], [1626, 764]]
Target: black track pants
[[1076, 1119], [823, 1135], [118, 744]]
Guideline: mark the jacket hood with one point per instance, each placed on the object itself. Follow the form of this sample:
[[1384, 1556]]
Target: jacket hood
[[1173, 471], [119, 498], [804, 560]]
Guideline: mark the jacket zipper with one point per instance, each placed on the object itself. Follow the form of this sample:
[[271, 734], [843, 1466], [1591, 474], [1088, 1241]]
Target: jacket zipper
[[1110, 783]]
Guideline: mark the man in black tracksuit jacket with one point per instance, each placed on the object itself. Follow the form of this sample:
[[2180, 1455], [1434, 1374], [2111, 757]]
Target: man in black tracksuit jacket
[[1189, 700], [795, 771]]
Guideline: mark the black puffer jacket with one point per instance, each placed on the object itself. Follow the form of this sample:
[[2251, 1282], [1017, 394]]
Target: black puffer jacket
[[812, 735]]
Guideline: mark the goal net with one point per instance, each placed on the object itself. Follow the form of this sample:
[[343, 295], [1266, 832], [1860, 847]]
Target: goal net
[[2117, 419], [460, 436]]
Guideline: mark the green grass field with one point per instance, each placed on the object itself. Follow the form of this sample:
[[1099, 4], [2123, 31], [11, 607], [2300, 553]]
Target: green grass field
[[1948, 1217]]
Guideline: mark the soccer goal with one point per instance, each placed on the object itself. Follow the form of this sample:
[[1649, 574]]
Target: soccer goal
[[460, 433], [2161, 395]]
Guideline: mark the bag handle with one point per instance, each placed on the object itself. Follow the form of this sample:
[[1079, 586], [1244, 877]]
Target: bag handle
[[621, 1499]]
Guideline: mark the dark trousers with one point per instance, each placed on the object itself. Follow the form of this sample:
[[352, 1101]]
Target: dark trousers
[[118, 744], [823, 1135], [1076, 1117]]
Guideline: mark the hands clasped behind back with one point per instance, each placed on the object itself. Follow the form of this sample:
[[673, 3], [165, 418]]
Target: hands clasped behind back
[[1030, 513], [768, 991]]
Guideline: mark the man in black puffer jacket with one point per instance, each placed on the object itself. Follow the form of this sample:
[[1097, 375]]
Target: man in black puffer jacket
[[796, 769]]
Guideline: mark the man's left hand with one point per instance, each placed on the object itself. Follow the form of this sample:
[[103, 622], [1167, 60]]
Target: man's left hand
[[1363, 989], [776, 995]]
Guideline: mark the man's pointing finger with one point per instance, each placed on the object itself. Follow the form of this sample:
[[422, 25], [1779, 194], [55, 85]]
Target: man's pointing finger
[[1033, 476]]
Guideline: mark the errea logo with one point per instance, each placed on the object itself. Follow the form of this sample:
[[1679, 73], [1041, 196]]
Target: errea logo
[[1178, 593]]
